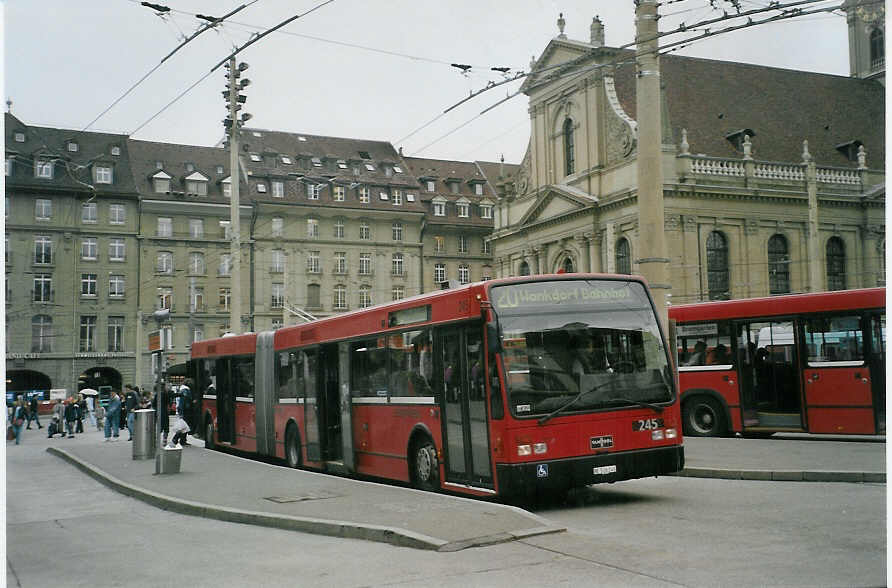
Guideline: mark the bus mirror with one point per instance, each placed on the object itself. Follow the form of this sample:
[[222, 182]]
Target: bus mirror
[[492, 338]]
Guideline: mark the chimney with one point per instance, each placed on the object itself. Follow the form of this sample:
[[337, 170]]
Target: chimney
[[597, 29]]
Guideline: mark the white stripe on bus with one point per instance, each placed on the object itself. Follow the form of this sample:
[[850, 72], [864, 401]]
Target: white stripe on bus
[[412, 400], [244, 399]]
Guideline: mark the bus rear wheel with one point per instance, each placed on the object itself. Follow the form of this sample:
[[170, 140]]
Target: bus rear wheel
[[209, 434], [292, 447], [703, 417], [425, 466]]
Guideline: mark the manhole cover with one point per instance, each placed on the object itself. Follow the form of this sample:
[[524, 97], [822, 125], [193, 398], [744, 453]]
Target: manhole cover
[[302, 498]]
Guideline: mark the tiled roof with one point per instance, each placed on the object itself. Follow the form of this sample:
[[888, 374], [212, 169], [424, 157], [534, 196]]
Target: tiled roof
[[144, 156], [72, 170], [441, 170]]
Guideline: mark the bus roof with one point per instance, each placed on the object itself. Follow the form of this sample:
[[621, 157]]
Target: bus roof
[[787, 304]]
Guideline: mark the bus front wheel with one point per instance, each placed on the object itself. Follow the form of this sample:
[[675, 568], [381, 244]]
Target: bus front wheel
[[292, 447], [703, 417], [209, 434], [425, 466]]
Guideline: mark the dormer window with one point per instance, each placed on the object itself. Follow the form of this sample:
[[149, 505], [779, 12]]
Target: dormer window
[[478, 189], [462, 208], [159, 165], [115, 150], [190, 167], [431, 186], [439, 207], [454, 186], [370, 167], [261, 188], [161, 182], [197, 184], [286, 160], [410, 197], [365, 155], [384, 196], [43, 168], [255, 157], [342, 164], [849, 149], [397, 169], [219, 169], [226, 186], [72, 146], [19, 137], [316, 162], [302, 139], [102, 174], [485, 210], [736, 138], [388, 170]]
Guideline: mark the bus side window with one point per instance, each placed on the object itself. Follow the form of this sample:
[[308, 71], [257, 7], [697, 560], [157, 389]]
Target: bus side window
[[368, 368], [285, 374]]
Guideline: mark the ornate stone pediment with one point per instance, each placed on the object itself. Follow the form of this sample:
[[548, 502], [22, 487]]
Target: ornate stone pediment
[[556, 201]]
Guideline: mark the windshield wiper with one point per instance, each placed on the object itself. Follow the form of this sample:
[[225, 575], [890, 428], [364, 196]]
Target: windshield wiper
[[557, 411], [656, 407]]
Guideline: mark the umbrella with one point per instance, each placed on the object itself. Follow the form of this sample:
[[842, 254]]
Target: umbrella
[[88, 392]]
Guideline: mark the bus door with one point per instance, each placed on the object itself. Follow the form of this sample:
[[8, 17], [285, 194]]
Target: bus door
[[770, 386], [837, 375], [463, 406], [225, 401], [308, 363], [877, 355], [264, 395], [329, 402]]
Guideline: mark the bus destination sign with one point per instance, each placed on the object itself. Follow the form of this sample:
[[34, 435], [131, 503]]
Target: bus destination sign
[[540, 294]]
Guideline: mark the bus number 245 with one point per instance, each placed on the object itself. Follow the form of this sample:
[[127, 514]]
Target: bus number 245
[[647, 424]]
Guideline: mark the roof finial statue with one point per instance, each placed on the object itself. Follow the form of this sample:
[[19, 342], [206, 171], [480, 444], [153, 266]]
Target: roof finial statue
[[502, 166], [685, 148], [597, 31], [862, 157], [747, 147], [806, 156], [561, 24]]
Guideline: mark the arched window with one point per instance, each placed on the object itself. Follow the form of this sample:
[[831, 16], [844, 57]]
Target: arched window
[[836, 264], [41, 333], [569, 148], [877, 50], [524, 269], [623, 257], [778, 265], [567, 266], [717, 266]]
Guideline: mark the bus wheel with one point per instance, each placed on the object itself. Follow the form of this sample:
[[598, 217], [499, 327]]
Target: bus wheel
[[703, 417], [425, 467], [209, 434], [292, 447]]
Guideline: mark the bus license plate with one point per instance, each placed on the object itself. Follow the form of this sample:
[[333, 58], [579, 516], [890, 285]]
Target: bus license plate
[[604, 470], [647, 424]]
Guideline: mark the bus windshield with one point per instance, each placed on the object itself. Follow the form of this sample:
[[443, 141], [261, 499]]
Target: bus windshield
[[595, 339]]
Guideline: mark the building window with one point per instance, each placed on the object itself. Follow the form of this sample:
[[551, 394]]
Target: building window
[[342, 164], [116, 333], [397, 197], [365, 230], [165, 262], [165, 227], [88, 333], [397, 293], [277, 298], [454, 187], [339, 193], [439, 244], [365, 296], [278, 189], [88, 285], [102, 174], [396, 264], [116, 250], [286, 160], [9, 163], [778, 265], [224, 268], [255, 157], [72, 146], [88, 213], [226, 186], [89, 245], [19, 137], [314, 190], [43, 250], [117, 214], [339, 229], [43, 169], [384, 196], [836, 264], [439, 208], [43, 209], [224, 295], [196, 228], [464, 274], [167, 337], [199, 187], [317, 162], [478, 189], [877, 49], [312, 228], [485, 210], [462, 209], [364, 195], [524, 269], [41, 333], [43, 288], [116, 286], [462, 244], [313, 264], [198, 333], [569, 148], [115, 150], [397, 231], [313, 295], [225, 227], [277, 263], [717, 274], [261, 188], [196, 263], [486, 247], [196, 299], [165, 297], [365, 264], [277, 225], [568, 267], [339, 300], [431, 186], [370, 167], [161, 183], [340, 262], [439, 273], [623, 257]]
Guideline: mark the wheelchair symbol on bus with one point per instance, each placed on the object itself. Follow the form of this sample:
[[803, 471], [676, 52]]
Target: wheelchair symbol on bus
[[542, 470]]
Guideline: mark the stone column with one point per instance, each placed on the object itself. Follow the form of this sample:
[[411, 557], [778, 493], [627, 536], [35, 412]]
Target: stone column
[[536, 265], [815, 275], [610, 248], [542, 258]]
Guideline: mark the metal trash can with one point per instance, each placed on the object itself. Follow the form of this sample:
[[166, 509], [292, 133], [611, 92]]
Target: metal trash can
[[143, 434], [168, 460]]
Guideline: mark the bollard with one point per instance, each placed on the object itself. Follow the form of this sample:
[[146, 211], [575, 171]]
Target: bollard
[[144, 434]]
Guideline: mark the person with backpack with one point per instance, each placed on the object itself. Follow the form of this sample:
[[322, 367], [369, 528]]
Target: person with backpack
[[18, 419], [32, 413]]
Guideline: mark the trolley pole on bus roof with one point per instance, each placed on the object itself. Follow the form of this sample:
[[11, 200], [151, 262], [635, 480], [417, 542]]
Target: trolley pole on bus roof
[[653, 260]]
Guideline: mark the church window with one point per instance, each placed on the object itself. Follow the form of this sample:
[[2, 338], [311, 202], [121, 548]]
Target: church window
[[717, 275], [569, 148], [877, 50], [836, 264], [623, 257], [778, 265], [567, 266], [524, 269]]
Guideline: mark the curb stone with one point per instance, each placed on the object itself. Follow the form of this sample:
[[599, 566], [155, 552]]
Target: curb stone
[[783, 476]]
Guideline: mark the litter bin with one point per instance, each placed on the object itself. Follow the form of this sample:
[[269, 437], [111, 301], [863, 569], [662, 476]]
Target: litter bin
[[168, 460], [143, 434]]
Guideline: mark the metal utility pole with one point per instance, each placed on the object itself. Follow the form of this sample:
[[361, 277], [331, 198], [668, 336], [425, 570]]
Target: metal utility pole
[[233, 124], [653, 261]]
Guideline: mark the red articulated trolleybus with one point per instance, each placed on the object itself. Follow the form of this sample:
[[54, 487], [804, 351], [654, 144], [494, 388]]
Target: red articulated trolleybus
[[505, 387], [811, 363]]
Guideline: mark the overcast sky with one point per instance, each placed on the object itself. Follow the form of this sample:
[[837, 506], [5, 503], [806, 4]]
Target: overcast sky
[[375, 69]]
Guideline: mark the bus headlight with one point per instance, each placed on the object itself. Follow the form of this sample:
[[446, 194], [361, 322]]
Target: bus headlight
[[657, 435], [671, 433], [524, 450], [539, 448]]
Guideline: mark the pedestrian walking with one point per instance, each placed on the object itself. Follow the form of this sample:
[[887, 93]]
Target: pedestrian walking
[[113, 417], [131, 403], [186, 399], [100, 416], [18, 419], [59, 414], [81, 409], [91, 409], [32, 413], [71, 410]]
